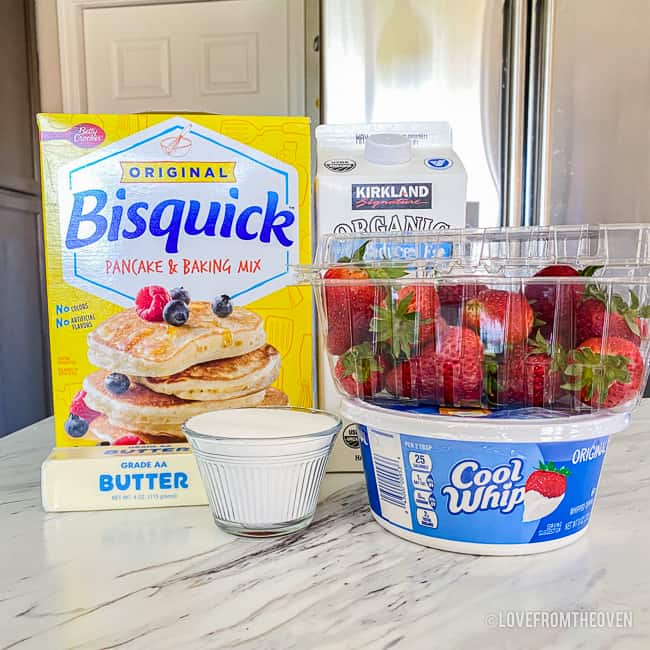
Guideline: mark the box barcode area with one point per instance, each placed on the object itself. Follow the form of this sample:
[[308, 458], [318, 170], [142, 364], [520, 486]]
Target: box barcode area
[[389, 480]]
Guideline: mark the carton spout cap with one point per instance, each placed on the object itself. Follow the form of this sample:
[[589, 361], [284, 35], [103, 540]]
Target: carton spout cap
[[388, 149]]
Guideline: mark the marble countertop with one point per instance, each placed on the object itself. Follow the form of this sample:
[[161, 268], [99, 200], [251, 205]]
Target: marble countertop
[[168, 578]]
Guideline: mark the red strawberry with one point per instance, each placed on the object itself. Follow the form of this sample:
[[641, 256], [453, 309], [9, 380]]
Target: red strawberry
[[360, 372], [606, 374], [454, 295], [622, 320], [349, 306], [424, 302], [129, 439], [548, 480], [414, 378], [504, 381], [552, 298], [457, 363], [150, 302], [453, 298], [500, 317], [80, 408], [407, 380], [543, 373]]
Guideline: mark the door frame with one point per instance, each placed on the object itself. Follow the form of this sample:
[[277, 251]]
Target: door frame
[[70, 14]]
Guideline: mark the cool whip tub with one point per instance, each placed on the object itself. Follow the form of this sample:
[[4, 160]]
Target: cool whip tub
[[483, 485]]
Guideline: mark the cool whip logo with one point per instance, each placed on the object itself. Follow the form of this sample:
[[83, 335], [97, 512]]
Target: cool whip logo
[[473, 488], [133, 214]]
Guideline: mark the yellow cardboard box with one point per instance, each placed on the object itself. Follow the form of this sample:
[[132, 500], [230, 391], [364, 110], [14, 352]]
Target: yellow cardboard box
[[217, 204]]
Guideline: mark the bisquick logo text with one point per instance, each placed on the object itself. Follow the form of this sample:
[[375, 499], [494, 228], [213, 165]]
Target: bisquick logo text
[[94, 216]]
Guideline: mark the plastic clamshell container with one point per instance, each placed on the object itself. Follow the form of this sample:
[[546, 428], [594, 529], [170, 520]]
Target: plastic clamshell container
[[459, 319], [482, 485]]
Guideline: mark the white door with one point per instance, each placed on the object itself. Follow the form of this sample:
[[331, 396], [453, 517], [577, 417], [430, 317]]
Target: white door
[[218, 56]]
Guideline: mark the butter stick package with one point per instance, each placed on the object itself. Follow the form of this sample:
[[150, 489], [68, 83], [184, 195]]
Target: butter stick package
[[169, 242], [118, 477]]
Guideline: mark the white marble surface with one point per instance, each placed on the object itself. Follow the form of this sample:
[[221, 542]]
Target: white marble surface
[[167, 578]]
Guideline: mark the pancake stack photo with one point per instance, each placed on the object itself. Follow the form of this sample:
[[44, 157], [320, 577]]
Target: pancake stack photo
[[155, 375]]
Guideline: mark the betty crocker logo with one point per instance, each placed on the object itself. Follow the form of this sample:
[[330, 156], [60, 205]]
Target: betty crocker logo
[[84, 135]]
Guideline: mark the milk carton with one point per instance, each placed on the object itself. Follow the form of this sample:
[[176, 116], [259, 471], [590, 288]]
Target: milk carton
[[377, 178], [383, 177], [169, 243]]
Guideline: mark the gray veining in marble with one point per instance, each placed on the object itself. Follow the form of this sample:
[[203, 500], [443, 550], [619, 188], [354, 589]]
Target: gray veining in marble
[[167, 578]]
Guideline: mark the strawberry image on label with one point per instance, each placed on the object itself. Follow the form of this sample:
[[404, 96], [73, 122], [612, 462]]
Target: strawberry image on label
[[545, 488]]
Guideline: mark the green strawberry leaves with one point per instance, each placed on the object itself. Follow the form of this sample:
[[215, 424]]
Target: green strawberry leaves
[[390, 272], [550, 467], [589, 271], [360, 361], [357, 255], [595, 373], [539, 345], [396, 325]]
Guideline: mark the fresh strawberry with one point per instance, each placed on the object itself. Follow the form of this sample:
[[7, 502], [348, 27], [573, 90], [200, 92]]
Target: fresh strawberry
[[623, 320], [548, 480], [543, 372], [500, 317], [454, 295], [457, 363], [504, 377], [129, 439], [424, 302], [453, 298], [360, 371], [411, 379], [349, 305], [549, 299], [150, 303], [81, 409], [605, 373]]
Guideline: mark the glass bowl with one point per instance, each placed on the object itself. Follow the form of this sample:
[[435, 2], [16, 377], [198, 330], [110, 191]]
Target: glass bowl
[[262, 468]]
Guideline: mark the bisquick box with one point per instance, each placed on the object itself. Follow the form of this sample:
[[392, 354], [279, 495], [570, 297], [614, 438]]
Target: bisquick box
[[216, 204], [405, 177]]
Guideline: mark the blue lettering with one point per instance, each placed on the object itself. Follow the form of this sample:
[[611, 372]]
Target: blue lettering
[[180, 480], [122, 482], [173, 229], [105, 482], [137, 220], [209, 172], [93, 216], [242, 222], [276, 222], [165, 479], [134, 172]]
